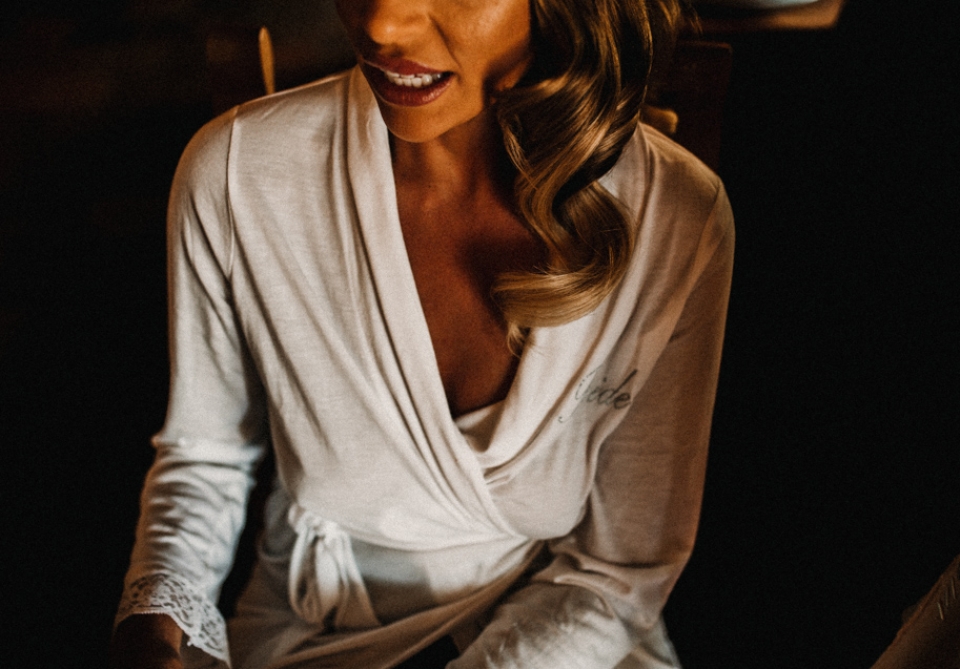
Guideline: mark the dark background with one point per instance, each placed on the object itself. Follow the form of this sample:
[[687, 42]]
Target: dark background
[[833, 493]]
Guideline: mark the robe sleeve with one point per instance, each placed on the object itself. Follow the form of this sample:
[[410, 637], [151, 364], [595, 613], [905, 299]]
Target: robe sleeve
[[598, 604], [194, 498]]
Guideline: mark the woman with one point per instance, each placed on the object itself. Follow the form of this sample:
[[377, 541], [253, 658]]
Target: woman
[[477, 313]]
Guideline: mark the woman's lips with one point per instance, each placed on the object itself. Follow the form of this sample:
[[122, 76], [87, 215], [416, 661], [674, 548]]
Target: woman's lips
[[405, 83]]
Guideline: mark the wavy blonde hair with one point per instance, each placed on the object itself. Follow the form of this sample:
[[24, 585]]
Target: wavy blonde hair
[[564, 126]]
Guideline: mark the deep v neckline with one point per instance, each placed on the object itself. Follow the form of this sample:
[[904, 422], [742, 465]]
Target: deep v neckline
[[373, 182], [534, 398]]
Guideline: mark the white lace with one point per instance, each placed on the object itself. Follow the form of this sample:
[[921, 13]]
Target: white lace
[[196, 615]]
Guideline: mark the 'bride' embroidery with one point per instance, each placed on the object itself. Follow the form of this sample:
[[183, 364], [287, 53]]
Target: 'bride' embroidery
[[590, 390]]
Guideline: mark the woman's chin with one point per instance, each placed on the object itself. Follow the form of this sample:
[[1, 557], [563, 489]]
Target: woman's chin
[[417, 125]]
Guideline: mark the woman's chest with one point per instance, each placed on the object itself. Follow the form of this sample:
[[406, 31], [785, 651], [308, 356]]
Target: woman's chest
[[455, 256]]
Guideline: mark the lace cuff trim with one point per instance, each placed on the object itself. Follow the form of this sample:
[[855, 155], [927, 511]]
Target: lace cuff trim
[[196, 615]]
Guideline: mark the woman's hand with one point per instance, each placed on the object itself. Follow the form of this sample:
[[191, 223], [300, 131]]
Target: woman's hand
[[146, 641]]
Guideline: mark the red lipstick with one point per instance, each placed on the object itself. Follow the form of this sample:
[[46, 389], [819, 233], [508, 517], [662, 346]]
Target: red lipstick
[[404, 83]]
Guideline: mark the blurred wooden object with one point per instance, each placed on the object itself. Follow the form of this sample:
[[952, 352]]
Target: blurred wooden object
[[245, 63], [690, 96], [267, 62], [819, 15], [930, 638], [233, 67]]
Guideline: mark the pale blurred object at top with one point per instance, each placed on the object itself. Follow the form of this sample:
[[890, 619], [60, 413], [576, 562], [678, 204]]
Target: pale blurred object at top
[[739, 16]]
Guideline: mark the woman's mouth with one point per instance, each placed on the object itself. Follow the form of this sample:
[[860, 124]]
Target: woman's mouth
[[412, 86], [412, 80]]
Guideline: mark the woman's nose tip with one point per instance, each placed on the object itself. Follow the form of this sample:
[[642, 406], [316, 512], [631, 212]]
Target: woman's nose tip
[[390, 21]]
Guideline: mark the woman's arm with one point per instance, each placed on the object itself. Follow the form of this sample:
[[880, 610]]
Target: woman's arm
[[601, 598], [194, 498]]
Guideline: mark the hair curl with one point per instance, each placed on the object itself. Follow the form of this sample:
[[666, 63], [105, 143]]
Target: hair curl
[[564, 126]]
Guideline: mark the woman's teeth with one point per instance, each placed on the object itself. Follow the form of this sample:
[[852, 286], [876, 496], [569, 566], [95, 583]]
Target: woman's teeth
[[412, 80]]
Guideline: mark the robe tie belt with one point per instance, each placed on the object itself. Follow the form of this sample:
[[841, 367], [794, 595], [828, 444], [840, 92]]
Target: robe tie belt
[[325, 586]]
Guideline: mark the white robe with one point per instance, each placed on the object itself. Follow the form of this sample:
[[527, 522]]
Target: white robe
[[296, 325]]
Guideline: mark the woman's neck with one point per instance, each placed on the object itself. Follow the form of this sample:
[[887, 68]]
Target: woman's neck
[[462, 162]]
